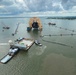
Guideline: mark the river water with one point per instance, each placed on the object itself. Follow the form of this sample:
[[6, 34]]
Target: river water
[[56, 56]]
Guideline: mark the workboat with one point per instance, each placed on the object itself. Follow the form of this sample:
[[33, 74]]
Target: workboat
[[6, 27], [20, 44], [38, 43], [51, 23], [11, 53]]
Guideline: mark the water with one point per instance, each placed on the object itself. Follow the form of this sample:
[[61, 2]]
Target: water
[[49, 59]]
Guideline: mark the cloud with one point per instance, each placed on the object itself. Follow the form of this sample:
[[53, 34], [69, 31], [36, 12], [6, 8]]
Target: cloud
[[1, 6], [6, 2], [68, 4], [14, 7], [58, 6], [73, 9]]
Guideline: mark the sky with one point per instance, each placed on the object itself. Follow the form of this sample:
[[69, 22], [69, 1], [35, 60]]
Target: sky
[[37, 7]]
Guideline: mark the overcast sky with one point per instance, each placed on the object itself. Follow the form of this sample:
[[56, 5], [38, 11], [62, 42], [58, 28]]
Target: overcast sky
[[17, 7]]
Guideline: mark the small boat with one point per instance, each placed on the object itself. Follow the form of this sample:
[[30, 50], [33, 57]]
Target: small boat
[[10, 54], [6, 27], [38, 43], [29, 29], [51, 23]]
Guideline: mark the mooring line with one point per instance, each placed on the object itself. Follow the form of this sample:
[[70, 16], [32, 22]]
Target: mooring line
[[65, 28], [57, 43], [59, 35], [42, 36], [61, 27]]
